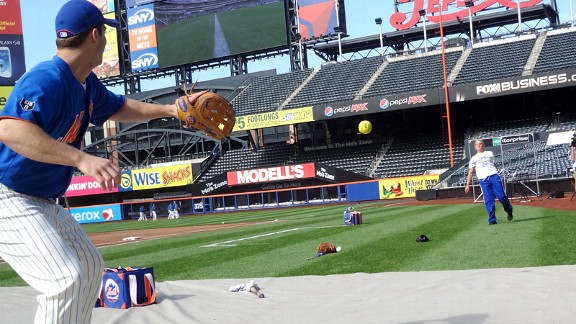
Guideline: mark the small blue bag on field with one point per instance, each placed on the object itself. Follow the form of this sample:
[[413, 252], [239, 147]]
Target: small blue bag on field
[[123, 288], [352, 217]]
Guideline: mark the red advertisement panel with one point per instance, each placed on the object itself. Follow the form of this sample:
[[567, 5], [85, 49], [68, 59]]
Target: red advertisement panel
[[271, 174], [85, 185], [10, 19]]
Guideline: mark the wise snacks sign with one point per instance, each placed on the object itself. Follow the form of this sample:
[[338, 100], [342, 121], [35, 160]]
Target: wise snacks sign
[[161, 177], [271, 174]]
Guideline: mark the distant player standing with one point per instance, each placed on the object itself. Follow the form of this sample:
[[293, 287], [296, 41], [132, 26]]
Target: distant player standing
[[490, 181], [153, 212], [176, 208], [170, 211], [142, 214], [42, 127]]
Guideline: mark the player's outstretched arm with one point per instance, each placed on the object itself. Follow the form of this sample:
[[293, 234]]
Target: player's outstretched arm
[[469, 179], [32, 142], [137, 111]]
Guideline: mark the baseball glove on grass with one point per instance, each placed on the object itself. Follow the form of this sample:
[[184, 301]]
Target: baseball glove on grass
[[211, 114]]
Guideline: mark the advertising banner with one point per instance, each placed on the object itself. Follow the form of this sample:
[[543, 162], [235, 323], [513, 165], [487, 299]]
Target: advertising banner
[[10, 20], [274, 118], [210, 186], [405, 187], [514, 85], [4, 93], [85, 185], [110, 66], [161, 177], [12, 64], [378, 104], [142, 38], [271, 174], [105, 6], [97, 214]]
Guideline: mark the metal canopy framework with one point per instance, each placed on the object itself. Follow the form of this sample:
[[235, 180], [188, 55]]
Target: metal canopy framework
[[400, 40]]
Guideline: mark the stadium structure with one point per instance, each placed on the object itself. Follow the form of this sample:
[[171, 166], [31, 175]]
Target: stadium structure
[[508, 83]]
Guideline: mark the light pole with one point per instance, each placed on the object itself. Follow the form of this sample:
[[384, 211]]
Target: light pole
[[379, 23], [520, 16], [423, 15], [338, 29], [446, 95], [470, 4], [571, 14], [339, 32], [298, 37]]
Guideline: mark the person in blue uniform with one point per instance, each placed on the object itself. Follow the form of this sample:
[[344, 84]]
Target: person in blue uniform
[[41, 129]]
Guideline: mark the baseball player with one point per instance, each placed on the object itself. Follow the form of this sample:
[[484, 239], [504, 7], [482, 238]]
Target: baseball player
[[142, 214], [153, 212], [170, 211], [176, 208], [42, 126], [490, 182]]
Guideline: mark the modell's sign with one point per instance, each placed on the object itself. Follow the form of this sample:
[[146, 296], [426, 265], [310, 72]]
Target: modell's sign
[[271, 174], [399, 20]]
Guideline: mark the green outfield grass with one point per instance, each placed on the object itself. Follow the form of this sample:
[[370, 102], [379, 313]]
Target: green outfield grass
[[459, 234], [264, 24], [186, 41]]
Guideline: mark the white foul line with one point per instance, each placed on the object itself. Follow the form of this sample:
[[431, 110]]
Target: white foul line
[[229, 243]]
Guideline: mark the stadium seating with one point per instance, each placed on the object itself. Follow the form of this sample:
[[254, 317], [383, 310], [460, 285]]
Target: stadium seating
[[495, 61], [407, 74], [513, 127], [336, 81], [268, 93], [557, 53], [415, 154]]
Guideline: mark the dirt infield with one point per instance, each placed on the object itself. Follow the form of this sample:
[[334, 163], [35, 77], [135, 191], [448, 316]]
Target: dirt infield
[[117, 238]]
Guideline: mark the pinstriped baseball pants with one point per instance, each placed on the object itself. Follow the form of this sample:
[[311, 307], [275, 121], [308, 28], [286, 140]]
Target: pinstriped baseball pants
[[47, 247]]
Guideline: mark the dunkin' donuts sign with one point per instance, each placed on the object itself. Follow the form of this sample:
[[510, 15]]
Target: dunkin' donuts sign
[[271, 174], [408, 15]]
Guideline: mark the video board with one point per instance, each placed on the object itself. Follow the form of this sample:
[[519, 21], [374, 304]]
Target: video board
[[190, 31], [110, 66], [12, 65]]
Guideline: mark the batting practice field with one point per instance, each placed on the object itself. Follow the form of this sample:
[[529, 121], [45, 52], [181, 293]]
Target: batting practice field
[[272, 245]]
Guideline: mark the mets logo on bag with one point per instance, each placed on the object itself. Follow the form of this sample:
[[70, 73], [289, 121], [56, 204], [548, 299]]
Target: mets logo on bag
[[111, 290]]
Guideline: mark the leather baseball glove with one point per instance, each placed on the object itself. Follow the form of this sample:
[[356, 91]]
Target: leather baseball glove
[[211, 114], [326, 248]]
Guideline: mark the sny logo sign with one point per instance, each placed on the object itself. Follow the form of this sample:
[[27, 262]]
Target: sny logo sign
[[141, 16], [145, 60]]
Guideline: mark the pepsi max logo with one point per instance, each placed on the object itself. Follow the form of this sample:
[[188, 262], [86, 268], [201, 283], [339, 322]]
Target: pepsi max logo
[[27, 105], [182, 105], [328, 111], [384, 103]]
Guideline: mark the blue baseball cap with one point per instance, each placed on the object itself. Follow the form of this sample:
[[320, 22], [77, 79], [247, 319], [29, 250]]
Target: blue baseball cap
[[78, 16]]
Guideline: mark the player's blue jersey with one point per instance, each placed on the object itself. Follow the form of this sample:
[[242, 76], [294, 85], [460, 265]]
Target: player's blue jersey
[[50, 96]]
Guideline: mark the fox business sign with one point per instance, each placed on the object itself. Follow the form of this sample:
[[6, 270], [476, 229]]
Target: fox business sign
[[142, 37], [520, 85]]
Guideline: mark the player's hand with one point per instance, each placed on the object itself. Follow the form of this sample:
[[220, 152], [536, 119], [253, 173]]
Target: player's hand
[[106, 173], [466, 189]]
